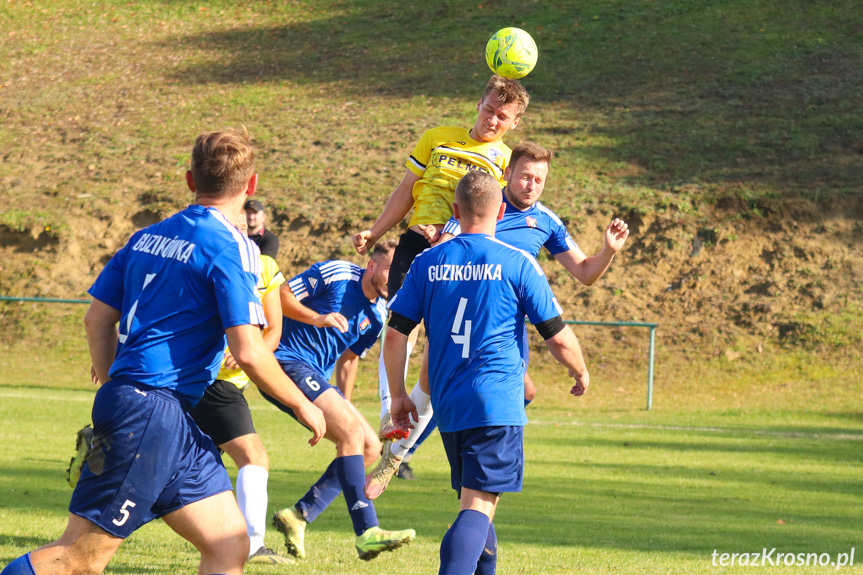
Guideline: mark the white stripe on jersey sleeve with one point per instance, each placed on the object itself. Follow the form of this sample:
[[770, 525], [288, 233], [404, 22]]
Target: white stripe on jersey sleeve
[[529, 257], [549, 213], [299, 288], [570, 243], [339, 270], [256, 314], [249, 252], [416, 164], [451, 227]]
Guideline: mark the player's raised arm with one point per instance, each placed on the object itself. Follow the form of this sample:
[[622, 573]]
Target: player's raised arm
[[260, 365], [589, 269], [396, 209]]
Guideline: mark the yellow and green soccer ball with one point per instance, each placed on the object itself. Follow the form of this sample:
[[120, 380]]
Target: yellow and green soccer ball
[[511, 53]]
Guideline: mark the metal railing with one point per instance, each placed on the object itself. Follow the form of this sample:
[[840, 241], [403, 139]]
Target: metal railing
[[652, 352]]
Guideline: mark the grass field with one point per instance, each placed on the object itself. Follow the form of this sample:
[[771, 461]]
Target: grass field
[[733, 462], [658, 110]]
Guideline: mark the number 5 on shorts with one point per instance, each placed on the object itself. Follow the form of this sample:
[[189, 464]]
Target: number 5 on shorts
[[124, 513]]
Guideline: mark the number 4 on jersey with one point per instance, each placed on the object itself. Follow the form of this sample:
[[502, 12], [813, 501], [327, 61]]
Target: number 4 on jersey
[[122, 336], [463, 339]]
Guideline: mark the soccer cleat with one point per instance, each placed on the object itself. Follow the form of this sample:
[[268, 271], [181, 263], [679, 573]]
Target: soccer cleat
[[82, 449], [388, 431], [405, 471], [266, 556], [291, 524], [375, 541], [379, 478]]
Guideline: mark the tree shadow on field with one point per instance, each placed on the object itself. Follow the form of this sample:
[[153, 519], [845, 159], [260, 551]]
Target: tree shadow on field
[[642, 515], [681, 92]]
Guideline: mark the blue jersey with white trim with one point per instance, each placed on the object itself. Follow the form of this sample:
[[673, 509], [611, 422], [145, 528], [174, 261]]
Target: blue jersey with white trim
[[473, 293], [178, 285], [528, 230], [327, 287]]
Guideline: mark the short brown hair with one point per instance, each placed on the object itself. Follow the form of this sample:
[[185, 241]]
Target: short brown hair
[[533, 152], [384, 248], [222, 163], [478, 194], [508, 91]]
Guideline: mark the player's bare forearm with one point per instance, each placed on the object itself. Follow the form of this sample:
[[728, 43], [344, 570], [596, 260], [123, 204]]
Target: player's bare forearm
[[395, 358], [100, 324], [261, 366], [396, 208], [566, 350], [589, 269], [293, 309], [273, 313], [346, 372]]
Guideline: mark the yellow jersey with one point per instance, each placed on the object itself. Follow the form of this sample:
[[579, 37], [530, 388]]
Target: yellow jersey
[[271, 278], [441, 157]]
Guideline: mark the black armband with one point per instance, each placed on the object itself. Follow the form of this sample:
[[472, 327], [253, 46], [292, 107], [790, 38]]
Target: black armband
[[402, 324], [550, 327]]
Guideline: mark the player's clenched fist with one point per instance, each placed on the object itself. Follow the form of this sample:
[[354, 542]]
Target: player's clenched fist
[[364, 241], [582, 382]]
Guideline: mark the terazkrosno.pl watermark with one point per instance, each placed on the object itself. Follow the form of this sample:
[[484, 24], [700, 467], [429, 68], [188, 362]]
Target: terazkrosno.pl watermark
[[774, 558]]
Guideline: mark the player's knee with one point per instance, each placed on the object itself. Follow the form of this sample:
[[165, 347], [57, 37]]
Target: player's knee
[[371, 450], [232, 548]]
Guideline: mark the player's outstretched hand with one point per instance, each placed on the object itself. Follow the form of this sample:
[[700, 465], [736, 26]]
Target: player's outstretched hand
[[312, 417], [334, 319], [363, 241], [582, 382], [616, 234], [401, 410]]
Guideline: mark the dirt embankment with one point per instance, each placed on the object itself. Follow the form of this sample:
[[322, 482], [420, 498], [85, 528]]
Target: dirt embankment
[[731, 274]]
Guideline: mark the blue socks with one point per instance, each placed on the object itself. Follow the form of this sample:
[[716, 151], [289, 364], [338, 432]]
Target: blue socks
[[321, 494], [21, 566], [463, 544], [352, 477], [487, 564]]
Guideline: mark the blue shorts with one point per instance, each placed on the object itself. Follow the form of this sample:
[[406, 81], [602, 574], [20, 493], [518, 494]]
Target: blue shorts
[[487, 459], [308, 380], [148, 459]]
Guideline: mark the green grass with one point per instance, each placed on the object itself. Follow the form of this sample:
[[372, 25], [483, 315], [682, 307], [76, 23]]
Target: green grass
[[746, 455], [647, 493]]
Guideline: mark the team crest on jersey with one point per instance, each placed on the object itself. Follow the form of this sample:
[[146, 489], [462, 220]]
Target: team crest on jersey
[[531, 222], [495, 155], [365, 324]]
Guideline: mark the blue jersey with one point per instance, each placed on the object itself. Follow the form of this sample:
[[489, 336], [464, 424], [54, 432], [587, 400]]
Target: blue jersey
[[473, 293], [327, 287], [178, 285], [528, 230]]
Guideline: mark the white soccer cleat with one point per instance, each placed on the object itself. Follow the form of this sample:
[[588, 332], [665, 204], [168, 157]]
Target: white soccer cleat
[[379, 478]]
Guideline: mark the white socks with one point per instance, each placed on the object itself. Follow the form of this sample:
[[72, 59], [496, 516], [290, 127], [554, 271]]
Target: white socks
[[424, 410], [384, 382], [252, 499]]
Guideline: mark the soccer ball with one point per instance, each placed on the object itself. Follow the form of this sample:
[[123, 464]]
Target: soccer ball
[[511, 53]]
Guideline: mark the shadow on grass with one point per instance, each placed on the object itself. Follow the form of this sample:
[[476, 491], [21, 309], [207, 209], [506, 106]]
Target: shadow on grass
[[683, 92]]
